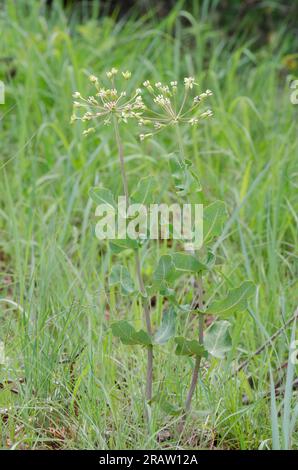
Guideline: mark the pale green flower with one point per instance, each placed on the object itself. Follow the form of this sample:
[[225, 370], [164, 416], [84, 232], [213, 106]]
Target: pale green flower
[[107, 102], [168, 108]]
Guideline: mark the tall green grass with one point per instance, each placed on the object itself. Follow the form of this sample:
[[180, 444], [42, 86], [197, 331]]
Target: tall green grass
[[81, 388]]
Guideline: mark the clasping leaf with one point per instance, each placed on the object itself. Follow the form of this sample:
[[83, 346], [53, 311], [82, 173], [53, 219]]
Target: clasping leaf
[[119, 245], [128, 334], [217, 338], [143, 193], [102, 196], [213, 219], [120, 276], [235, 301], [171, 267], [185, 179], [186, 347], [167, 327]]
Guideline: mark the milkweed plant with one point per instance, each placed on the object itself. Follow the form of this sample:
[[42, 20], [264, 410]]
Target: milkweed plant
[[157, 108]]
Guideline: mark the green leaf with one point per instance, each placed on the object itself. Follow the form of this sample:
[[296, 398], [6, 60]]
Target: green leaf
[[210, 261], [120, 276], [102, 196], [171, 267], [185, 308], [119, 245], [143, 193], [167, 327], [185, 179], [162, 288], [235, 301], [128, 335], [165, 269], [187, 263], [165, 290], [214, 217], [186, 347], [217, 339]]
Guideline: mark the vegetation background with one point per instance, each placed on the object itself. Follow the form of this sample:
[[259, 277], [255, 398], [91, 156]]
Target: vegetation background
[[64, 381]]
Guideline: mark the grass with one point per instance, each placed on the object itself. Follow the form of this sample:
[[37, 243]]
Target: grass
[[81, 388]]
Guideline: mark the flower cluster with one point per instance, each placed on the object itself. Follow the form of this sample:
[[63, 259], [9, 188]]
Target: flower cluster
[[108, 102], [167, 109]]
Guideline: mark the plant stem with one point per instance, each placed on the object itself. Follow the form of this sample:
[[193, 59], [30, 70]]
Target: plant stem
[[199, 302], [192, 387], [196, 369], [149, 378], [180, 142], [121, 159], [142, 289], [149, 375]]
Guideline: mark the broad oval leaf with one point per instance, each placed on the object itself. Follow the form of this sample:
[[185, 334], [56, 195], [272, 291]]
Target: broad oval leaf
[[120, 276], [128, 334], [165, 269], [186, 347], [235, 301], [162, 288], [217, 339], [185, 178], [171, 267], [188, 263], [214, 217], [119, 245], [143, 193], [167, 327], [102, 196]]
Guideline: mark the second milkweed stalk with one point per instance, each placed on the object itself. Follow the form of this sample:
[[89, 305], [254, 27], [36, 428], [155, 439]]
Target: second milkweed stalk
[[198, 302], [197, 365]]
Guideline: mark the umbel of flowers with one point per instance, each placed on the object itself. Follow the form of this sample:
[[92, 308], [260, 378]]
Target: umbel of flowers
[[163, 109], [108, 101], [169, 107]]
